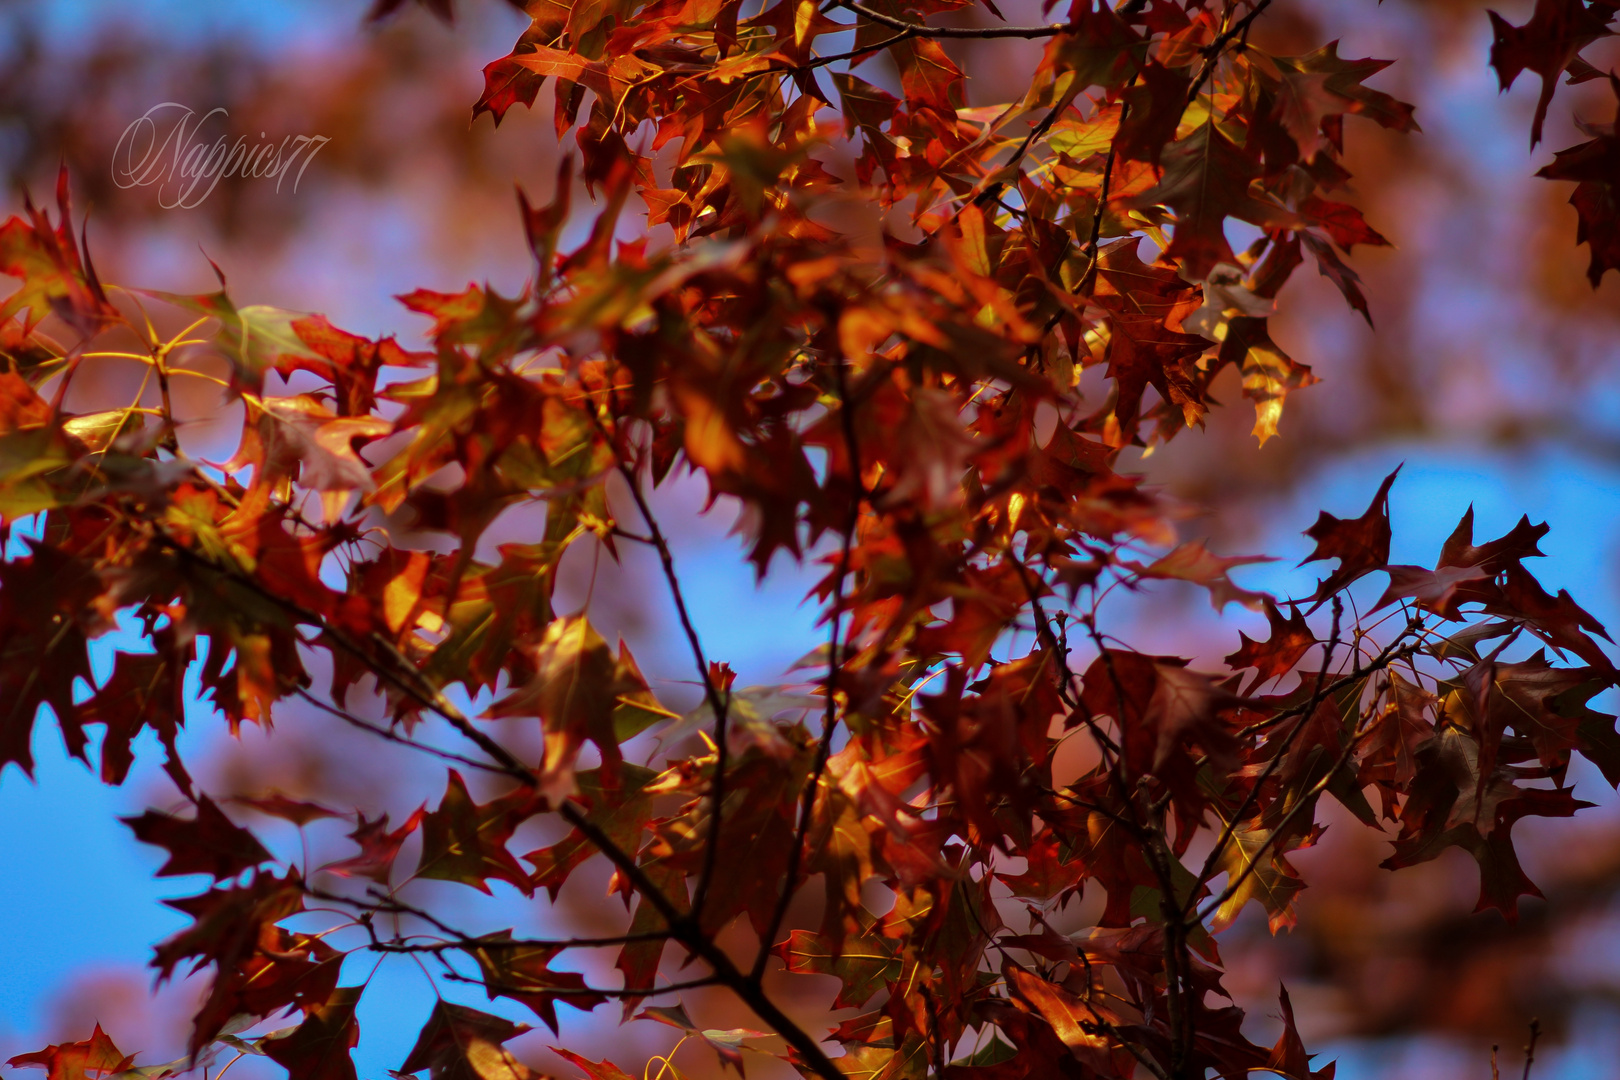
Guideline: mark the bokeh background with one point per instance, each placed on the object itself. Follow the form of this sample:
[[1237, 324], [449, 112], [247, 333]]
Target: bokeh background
[[1494, 374]]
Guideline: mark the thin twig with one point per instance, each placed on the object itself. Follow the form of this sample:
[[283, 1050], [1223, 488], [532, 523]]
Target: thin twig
[[1330, 647], [1530, 1047], [718, 703], [395, 737], [925, 31], [1212, 51], [829, 721]]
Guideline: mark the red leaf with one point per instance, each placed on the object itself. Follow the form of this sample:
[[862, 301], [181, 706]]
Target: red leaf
[[208, 843], [465, 842], [1557, 31], [378, 847], [1360, 544], [318, 1049], [94, 1058], [1290, 639], [458, 1043]]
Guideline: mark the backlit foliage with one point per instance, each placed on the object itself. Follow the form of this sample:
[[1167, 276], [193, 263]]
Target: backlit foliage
[[935, 421]]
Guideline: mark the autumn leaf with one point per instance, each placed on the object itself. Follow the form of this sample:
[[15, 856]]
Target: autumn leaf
[[1593, 165], [278, 805], [378, 847], [92, 1059], [1194, 562], [1256, 870], [1288, 1056], [1207, 179], [521, 972], [465, 842], [580, 691], [1290, 639], [1321, 85], [458, 1043], [1360, 544], [319, 1047], [57, 278], [209, 843], [864, 966], [596, 1070], [1556, 33]]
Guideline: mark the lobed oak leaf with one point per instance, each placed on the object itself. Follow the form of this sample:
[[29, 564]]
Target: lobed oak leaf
[[1156, 103], [323, 444], [1556, 33], [581, 692], [1194, 562], [1342, 222], [866, 963], [1453, 802], [639, 960], [596, 1070], [1360, 544], [50, 606], [1288, 1057], [1070, 1017], [1269, 374], [143, 691], [1321, 85], [1097, 48], [349, 362], [908, 1061], [93, 1059], [459, 1043], [1494, 556], [507, 83], [284, 970], [255, 338], [1398, 731], [1558, 620], [521, 972], [465, 842], [1439, 591], [1594, 166], [56, 278], [209, 843], [1346, 280], [1158, 705], [543, 226], [318, 1048], [1207, 178], [1143, 302], [1047, 876], [1255, 855], [378, 847], [621, 813], [229, 921], [1290, 639]]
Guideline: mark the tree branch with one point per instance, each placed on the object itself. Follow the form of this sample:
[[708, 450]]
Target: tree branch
[[964, 32], [829, 722]]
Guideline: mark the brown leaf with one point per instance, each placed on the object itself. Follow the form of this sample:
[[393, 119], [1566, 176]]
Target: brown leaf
[[318, 1049], [458, 1043], [1290, 639], [92, 1059], [208, 843], [1360, 544]]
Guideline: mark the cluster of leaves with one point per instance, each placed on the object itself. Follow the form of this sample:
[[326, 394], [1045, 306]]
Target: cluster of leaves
[[911, 416], [1550, 45]]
